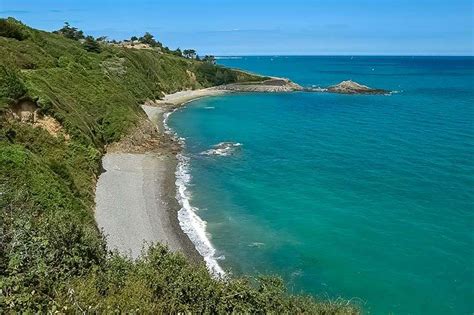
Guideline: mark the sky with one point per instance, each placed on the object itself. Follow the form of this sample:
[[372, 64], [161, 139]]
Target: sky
[[261, 27]]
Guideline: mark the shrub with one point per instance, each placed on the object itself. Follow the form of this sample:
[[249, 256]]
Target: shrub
[[215, 75], [91, 45], [11, 86], [70, 32], [164, 282], [149, 39], [12, 29]]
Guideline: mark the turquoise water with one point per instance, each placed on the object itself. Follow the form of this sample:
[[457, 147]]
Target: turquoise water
[[367, 197]]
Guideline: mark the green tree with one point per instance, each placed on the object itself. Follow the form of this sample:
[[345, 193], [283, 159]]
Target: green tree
[[91, 45], [178, 52], [210, 59], [70, 32], [133, 38], [149, 40], [189, 53]]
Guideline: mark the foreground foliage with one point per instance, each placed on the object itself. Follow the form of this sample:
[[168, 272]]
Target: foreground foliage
[[165, 282], [52, 257]]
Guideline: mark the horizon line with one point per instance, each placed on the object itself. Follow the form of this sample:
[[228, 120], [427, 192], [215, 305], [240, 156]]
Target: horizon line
[[342, 55]]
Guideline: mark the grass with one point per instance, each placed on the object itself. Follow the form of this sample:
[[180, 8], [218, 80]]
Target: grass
[[52, 256]]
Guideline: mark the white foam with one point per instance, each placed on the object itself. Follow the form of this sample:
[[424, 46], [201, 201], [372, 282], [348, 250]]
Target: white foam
[[190, 222], [256, 244], [395, 92], [222, 149]]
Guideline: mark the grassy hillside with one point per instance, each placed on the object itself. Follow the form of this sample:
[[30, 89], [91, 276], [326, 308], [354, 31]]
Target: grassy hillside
[[52, 256]]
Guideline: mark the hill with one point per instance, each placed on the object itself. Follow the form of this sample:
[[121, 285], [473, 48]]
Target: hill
[[62, 101]]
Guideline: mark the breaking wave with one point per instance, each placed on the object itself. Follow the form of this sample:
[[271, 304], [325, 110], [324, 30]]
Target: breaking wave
[[190, 222], [223, 149]]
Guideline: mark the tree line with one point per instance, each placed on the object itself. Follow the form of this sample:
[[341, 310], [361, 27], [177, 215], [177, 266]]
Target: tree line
[[92, 44]]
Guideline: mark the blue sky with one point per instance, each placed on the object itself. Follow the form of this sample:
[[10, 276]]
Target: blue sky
[[261, 27]]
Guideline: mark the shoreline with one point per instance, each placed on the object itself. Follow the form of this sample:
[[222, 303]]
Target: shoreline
[[133, 204], [191, 224], [142, 198], [142, 195], [137, 195]]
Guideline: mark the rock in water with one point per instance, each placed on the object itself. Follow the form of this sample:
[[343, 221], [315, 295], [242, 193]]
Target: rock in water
[[223, 149], [351, 87]]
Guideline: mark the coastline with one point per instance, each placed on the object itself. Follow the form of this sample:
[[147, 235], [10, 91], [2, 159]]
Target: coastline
[[189, 222], [142, 197], [133, 204], [140, 194]]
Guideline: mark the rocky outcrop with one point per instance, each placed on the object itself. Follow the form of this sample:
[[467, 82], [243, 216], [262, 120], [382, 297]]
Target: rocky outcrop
[[223, 149], [51, 125], [351, 87], [270, 85], [285, 85], [25, 111]]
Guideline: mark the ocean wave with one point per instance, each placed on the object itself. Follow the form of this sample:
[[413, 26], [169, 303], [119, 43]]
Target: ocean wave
[[223, 149], [190, 222], [316, 88]]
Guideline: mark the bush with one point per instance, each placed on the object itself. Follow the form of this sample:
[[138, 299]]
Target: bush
[[12, 29], [70, 32], [91, 45], [149, 39], [164, 282], [11, 86], [45, 231], [215, 75]]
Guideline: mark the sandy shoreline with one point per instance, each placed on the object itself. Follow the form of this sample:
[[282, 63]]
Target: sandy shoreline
[[137, 194], [136, 201], [183, 97]]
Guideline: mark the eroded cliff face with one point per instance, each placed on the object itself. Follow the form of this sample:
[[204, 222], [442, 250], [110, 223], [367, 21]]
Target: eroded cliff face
[[25, 111]]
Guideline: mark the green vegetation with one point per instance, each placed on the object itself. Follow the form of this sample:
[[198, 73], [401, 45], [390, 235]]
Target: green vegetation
[[210, 59], [11, 86], [149, 40], [70, 32], [52, 256], [11, 29], [189, 53], [91, 45]]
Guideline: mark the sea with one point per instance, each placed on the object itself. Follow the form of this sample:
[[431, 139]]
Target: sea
[[367, 198]]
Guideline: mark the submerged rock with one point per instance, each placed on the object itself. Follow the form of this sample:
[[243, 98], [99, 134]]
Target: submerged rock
[[223, 149], [351, 87]]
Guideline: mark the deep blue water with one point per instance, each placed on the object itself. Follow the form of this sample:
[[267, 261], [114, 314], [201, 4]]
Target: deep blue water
[[367, 197]]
